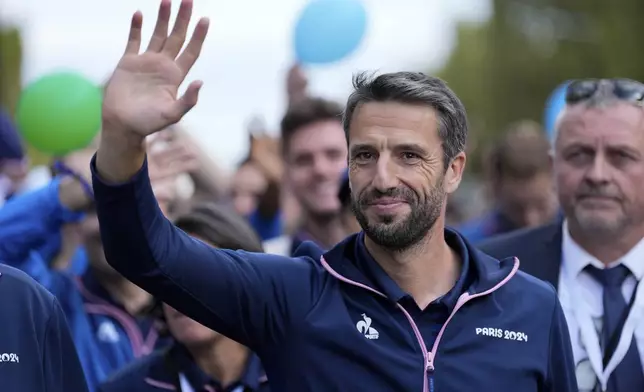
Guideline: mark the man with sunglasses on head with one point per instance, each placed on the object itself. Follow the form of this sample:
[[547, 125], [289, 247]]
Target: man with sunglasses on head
[[595, 256]]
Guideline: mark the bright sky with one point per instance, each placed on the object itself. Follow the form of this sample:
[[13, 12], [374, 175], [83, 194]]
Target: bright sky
[[246, 55]]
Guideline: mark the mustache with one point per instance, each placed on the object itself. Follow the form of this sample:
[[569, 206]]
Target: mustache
[[373, 195], [597, 191]]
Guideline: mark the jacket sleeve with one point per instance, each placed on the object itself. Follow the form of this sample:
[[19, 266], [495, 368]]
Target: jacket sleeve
[[62, 368], [249, 297], [28, 225], [561, 365], [28, 222]]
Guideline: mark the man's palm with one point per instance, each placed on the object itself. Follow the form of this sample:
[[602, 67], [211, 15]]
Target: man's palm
[[141, 96]]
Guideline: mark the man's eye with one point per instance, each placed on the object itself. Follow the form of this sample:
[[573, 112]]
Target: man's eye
[[410, 156]]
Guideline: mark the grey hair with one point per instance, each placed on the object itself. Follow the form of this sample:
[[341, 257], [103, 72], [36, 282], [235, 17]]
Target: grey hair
[[413, 88]]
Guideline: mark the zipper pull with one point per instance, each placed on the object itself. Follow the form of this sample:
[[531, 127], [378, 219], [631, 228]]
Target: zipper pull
[[429, 364]]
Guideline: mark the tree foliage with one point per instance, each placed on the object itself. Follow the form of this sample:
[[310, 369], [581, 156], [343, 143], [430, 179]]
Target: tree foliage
[[505, 69]]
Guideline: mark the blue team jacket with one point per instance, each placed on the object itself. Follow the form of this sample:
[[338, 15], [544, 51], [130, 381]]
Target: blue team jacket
[[36, 350], [106, 336], [317, 322], [159, 372]]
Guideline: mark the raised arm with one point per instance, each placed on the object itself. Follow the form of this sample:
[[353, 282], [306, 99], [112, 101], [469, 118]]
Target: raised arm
[[252, 298]]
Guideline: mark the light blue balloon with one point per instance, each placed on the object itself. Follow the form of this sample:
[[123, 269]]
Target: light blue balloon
[[554, 105], [329, 30]]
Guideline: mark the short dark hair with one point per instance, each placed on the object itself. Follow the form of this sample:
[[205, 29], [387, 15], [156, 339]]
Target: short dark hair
[[219, 227], [414, 88], [305, 112], [521, 153]]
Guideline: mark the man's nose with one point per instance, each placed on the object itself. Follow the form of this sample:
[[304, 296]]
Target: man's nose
[[385, 176], [598, 172], [325, 168]]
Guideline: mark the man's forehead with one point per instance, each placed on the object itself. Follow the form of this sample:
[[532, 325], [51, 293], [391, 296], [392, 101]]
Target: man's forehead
[[394, 114], [617, 121], [317, 137]]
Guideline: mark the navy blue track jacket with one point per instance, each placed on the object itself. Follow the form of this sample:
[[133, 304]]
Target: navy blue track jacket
[[319, 323], [37, 353]]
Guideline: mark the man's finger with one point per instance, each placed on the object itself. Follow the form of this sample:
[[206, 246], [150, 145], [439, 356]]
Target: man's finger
[[191, 53], [160, 33], [175, 111], [186, 102], [134, 40], [175, 41]]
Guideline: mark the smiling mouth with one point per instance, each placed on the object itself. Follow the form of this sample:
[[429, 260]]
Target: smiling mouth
[[386, 206], [387, 202]]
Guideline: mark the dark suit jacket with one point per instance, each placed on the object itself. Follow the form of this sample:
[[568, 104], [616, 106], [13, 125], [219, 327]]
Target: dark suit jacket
[[538, 250]]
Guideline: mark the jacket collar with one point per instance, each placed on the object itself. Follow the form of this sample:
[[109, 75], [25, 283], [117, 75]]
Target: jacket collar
[[484, 272]]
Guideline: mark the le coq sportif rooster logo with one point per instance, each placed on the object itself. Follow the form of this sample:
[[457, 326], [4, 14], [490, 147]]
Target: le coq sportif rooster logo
[[365, 328]]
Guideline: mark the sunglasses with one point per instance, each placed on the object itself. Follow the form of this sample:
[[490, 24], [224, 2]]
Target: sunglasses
[[624, 89]]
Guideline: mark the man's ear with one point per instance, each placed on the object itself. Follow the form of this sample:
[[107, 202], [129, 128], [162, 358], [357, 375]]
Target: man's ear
[[454, 173]]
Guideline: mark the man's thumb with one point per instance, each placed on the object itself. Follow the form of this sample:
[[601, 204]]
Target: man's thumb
[[187, 101]]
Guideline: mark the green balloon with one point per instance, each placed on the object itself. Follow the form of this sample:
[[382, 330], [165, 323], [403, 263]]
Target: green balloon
[[59, 113]]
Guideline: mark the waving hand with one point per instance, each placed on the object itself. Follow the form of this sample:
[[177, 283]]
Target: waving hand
[[141, 97]]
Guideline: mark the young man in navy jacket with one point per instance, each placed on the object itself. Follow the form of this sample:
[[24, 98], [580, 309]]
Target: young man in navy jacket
[[406, 305], [37, 353]]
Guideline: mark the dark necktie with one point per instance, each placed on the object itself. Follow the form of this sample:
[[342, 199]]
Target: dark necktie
[[628, 376]]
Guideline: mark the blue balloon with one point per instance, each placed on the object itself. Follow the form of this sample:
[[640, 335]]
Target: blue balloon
[[329, 30], [554, 105]]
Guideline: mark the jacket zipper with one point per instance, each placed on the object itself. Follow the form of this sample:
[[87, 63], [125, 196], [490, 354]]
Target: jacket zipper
[[429, 371], [428, 356]]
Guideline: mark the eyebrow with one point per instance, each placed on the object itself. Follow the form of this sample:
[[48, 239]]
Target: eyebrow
[[625, 148], [406, 147], [411, 147], [359, 148]]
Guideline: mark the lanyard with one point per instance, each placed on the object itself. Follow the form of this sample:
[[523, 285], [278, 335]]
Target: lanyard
[[613, 341], [618, 346]]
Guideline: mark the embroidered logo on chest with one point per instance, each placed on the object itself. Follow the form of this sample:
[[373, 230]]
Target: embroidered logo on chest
[[500, 333], [365, 328]]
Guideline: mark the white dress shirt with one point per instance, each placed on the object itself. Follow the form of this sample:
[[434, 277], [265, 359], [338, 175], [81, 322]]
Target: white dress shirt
[[581, 298]]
